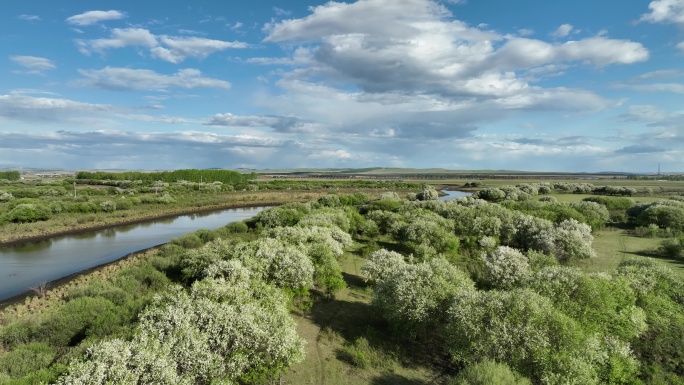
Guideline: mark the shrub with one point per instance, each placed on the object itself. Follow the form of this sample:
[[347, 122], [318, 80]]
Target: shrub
[[506, 268], [188, 241], [381, 264], [237, 227], [29, 212], [488, 372], [108, 206], [415, 297], [672, 248], [26, 359], [79, 319]]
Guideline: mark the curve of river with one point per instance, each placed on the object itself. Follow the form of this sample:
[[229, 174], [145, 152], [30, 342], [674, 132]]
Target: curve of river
[[26, 265]]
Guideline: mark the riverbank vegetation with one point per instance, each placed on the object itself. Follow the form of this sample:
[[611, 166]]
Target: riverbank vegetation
[[349, 289], [40, 208]]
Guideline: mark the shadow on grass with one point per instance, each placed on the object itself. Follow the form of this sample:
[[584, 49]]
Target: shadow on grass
[[349, 319], [355, 281], [394, 379], [678, 263]]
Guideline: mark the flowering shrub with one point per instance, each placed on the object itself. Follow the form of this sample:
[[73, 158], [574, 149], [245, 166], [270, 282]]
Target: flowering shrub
[[217, 332], [381, 264], [415, 296], [506, 268]]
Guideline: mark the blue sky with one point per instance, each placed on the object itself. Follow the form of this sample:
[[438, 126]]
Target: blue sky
[[476, 84]]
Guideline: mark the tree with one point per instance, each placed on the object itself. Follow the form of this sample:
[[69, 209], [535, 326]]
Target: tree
[[573, 240], [415, 297], [506, 268], [381, 264]]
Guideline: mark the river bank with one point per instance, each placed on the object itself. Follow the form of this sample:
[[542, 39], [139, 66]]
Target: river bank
[[14, 234], [35, 301]]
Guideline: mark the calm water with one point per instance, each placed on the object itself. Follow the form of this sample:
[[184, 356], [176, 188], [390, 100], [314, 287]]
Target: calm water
[[453, 195], [24, 266]]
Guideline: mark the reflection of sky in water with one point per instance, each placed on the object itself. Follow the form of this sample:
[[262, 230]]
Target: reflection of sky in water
[[24, 266], [453, 195]]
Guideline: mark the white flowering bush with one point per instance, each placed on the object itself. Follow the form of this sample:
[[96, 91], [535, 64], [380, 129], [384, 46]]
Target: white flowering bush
[[414, 298], [389, 195], [527, 232], [108, 206], [381, 264], [220, 332], [123, 362], [506, 268], [573, 240], [5, 196], [326, 218]]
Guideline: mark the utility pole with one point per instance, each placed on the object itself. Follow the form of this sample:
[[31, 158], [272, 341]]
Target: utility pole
[[74, 190]]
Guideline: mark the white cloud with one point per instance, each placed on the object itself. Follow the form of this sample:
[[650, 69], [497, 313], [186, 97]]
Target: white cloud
[[53, 110], [665, 11], [116, 78], [680, 46], [644, 113], [177, 49], [525, 32], [281, 12], [562, 31], [173, 49], [29, 17], [133, 150], [276, 122], [120, 37], [415, 47], [92, 17], [34, 63], [676, 88]]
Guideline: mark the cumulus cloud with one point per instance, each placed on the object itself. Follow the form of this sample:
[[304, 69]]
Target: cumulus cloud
[[276, 122], [34, 64], [173, 49], [665, 11], [123, 79], [92, 17], [562, 31], [680, 46], [416, 46]]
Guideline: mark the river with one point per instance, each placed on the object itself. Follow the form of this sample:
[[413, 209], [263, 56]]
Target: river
[[452, 194], [26, 265]]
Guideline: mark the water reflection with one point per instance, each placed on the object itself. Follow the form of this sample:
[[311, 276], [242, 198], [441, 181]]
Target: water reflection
[[453, 194], [23, 266], [33, 246]]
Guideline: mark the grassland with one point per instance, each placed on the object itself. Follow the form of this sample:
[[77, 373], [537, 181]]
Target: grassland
[[331, 329]]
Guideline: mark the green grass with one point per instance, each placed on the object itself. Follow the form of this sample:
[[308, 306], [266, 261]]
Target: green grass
[[614, 245], [331, 329]]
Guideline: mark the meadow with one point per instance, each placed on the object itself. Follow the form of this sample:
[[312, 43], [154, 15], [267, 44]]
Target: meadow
[[393, 287]]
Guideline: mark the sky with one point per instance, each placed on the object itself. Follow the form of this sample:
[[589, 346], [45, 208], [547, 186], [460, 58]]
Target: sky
[[529, 85]]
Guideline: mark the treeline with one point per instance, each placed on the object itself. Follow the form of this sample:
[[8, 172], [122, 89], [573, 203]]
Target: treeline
[[10, 175], [191, 175]]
